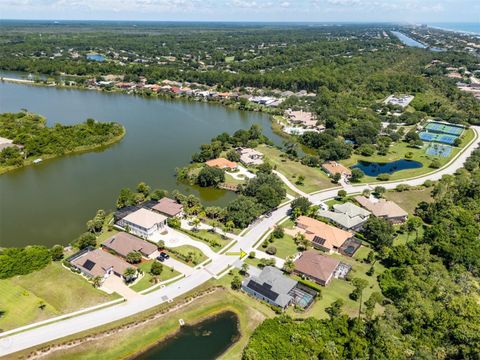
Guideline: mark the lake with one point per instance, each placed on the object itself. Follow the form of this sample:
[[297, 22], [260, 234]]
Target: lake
[[205, 340], [49, 203], [375, 169]]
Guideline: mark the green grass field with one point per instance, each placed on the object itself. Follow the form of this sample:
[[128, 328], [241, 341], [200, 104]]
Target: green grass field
[[185, 250], [408, 200], [58, 288], [315, 179], [145, 281]]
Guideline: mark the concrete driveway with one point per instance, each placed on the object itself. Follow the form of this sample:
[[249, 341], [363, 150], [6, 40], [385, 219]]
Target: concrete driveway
[[179, 266], [114, 284], [247, 174]]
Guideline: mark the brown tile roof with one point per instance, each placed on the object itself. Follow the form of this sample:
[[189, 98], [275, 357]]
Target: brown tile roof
[[333, 236], [97, 262], [318, 266], [221, 163], [124, 243], [168, 207], [333, 167], [382, 207]]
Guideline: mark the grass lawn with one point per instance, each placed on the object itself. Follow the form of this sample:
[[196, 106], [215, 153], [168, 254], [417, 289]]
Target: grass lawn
[[404, 238], [208, 238], [58, 288], [106, 235], [398, 151], [315, 179], [144, 282], [197, 255], [285, 246], [408, 200], [125, 343]]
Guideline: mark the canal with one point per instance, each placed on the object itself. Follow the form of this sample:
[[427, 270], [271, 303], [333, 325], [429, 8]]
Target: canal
[[203, 341], [49, 203]]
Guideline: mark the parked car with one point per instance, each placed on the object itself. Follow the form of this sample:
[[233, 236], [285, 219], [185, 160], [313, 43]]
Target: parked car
[[161, 258], [164, 255]]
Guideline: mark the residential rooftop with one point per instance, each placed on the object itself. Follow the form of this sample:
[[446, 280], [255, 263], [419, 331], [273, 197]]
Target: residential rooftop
[[123, 244], [145, 218]]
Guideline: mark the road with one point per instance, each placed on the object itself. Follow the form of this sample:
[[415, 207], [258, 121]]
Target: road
[[56, 330]]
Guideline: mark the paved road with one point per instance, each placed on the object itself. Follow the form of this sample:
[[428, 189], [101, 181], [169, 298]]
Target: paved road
[[56, 330]]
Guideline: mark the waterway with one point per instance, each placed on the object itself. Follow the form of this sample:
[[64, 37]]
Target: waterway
[[408, 40], [49, 203], [205, 340]]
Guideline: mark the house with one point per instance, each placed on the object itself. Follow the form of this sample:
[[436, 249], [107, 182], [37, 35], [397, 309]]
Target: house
[[143, 222], [250, 156], [6, 143], [383, 209], [323, 236], [93, 263], [222, 163], [348, 216], [304, 118], [123, 244], [333, 167], [316, 267], [271, 286], [169, 207], [401, 101]]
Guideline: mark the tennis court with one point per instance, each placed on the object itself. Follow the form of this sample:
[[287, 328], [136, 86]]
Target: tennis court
[[440, 138], [438, 150], [444, 128]]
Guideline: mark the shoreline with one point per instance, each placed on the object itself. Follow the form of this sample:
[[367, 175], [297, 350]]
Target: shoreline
[[454, 30], [76, 151]]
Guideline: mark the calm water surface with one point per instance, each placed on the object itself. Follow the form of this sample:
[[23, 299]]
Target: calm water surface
[[375, 169], [408, 40], [204, 341], [49, 203]]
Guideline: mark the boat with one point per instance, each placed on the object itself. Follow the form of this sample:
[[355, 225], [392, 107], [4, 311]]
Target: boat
[[36, 161]]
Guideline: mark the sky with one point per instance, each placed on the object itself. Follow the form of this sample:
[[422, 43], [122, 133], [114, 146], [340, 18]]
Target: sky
[[405, 11]]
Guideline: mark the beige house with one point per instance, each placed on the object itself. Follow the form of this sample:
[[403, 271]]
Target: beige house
[[169, 207], [303, 118], [250, 156], [143, 222], [99, 263], [123, 244], [383, 209], [333, 167]]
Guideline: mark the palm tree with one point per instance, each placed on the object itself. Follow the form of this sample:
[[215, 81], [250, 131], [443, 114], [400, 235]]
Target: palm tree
[[97, 281], [129, 273], [289, 266], [195, 222]]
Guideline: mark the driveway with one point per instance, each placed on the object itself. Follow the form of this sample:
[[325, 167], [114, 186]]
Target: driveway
[[114, 284], [179, 266], [247, 174]]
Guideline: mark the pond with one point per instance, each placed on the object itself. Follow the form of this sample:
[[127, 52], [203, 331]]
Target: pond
[[205, 340], [375, 169], [95, 57], [49, 203]]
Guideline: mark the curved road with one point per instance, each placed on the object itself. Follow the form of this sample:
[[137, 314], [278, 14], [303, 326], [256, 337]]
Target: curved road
[[56, 330]]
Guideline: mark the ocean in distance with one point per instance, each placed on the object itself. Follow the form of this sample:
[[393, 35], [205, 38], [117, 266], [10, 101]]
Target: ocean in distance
[[461, 27]]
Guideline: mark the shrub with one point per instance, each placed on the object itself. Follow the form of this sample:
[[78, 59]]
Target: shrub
[[271, 250], [156, 268], [435, 164], [278, 232], [383, 177], [251, 255]]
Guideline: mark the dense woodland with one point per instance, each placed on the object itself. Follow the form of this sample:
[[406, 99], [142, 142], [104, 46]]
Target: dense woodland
[[429, 290], [350, 68], [35, 139]]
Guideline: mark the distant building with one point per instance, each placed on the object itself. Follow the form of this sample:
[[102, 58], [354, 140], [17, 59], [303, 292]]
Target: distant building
[[169, 207], [222, 163], [348, 216], [6, 143], [93, 263], [271, 286], [316, 267], [402, 101], [383, 209], [143, 222], [333, 167], [303, 118], [123, 244], [250, 156]]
